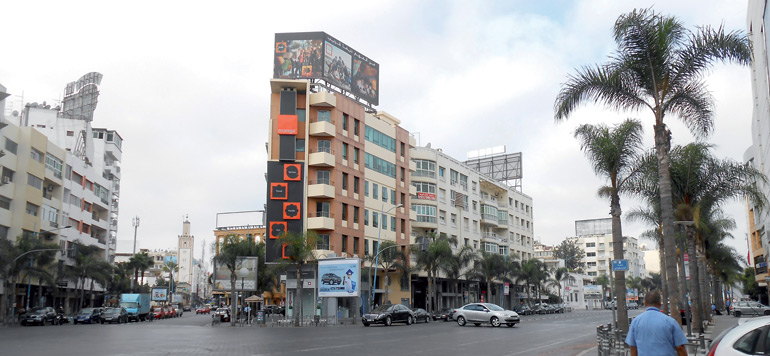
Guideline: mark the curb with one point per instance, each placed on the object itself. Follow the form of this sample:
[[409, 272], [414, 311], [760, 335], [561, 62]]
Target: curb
[[594, 349]]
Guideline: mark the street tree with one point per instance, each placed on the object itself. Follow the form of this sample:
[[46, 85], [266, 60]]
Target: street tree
[[298, 250], [603, 281], [569, 250], [17, 260], [433, 253], [391, 259], [231, 253], [455, 266], [658, 65]]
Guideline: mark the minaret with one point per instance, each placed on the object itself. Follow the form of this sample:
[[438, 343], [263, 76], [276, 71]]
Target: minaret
[[185, 255]]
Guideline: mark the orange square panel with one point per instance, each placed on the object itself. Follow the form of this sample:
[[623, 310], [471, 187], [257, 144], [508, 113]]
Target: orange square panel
[[287, 124]]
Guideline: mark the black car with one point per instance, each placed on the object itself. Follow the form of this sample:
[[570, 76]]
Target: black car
[[523, 310], [420, 314], [39, 316], [115, 315], [388, 314], [275, 309], [331, 278], [444, 314], [88, 315]]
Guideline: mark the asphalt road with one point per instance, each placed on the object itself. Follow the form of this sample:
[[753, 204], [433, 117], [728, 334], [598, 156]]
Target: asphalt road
[[191, 335]]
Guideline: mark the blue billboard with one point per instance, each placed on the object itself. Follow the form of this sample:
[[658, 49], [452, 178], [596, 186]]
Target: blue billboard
[[339, 278], [166, 259]]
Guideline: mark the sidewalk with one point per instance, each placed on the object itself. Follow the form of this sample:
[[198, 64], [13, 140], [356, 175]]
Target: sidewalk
[[718, 324]]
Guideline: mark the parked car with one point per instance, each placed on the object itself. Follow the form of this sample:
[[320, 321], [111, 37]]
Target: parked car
[[632, 305], [39, 316], [331, 278], [115, 315], [275, 309], [481, 313], [523, 310], [88, 315], [187, 308], [158, 313], [388, 314], [203, 310], [178, 311], [610, 305], [745, 338], [750, 308], [445, 314], [420, 314]]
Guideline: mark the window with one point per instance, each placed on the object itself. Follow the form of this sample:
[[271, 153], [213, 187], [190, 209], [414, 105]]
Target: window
[[301, 113], [591, 264], [356, 182], [355, 155], [344, 151], [473, 185], [50, 214], [5, 203], [590, 254], [384, 194], [392, 223], [322, 209], [355, 216], [344, 121], [464, 182], [344, 181], [366, 217], [7, 176], [36, 155], [384, 222], [32, 209], [344, 212], [428, 190], [366, 247], [324, 115], [425, 168], [403, 174], [453, 219], [425, 213], [441, 195], [356, 124], [442, 217], [344, 243], [325, 146], [34, 182], [355, 245], [590, 244], [746, 343], [70, 133], [403, 199], [323, 177], [379, 165], [393, 197], [300, 145], [454, 177], [375, 218], [323, 242], [442, 172], [403, 225], [10, 145], [403, 149], [375, 191], [380, 139], [366, 188], [54, 165]]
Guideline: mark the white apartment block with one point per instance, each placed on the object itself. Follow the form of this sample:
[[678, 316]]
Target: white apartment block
[[478, 211], [595, 238]]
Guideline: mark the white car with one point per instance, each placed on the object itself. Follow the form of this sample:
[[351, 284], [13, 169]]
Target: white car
[[485, 313], [748, 337]]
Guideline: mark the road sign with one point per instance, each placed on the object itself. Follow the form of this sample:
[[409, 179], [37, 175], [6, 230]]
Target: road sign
[[620, 265]]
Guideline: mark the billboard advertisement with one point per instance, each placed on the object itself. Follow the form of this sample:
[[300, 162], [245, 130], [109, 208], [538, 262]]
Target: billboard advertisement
[[249, 283], [339, 278], [592, 292], [316, 55], [167, 259], [159, 294]]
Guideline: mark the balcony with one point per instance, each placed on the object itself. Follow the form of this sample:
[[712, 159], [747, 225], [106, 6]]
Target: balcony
[[323, 158], [320, 189], [323, 99], [413, 216], [412, 190], [489, 219], [412, 166], [322, 128], [320, 221]]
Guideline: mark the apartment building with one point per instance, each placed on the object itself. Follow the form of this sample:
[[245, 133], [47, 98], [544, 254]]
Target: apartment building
[[454, 200], [594, 236]]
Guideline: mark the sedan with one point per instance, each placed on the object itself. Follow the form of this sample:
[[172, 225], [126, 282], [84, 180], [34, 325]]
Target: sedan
[[745, 338], [445, 314], [420, 314], [388, 314], [88, 315], [750, 308], [203, 310], [158, 313], [115, 315], [478, 313], [223, 314], [39, 316]]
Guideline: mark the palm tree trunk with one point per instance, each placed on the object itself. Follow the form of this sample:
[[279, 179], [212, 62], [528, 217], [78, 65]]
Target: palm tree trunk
[[682, 287], [663, 278], [695, 295], [705, 290], [617, 251], [529, 297], [298, 297], [387, 283], [662, 147], [233, 295]]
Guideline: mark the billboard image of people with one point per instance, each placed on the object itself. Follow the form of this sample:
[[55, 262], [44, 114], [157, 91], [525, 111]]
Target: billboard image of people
[[337, 65], [339, 278], [298, 58], [366, 75]]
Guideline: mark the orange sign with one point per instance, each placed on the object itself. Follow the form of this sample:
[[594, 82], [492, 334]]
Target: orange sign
[[287, 124], [291, 211]]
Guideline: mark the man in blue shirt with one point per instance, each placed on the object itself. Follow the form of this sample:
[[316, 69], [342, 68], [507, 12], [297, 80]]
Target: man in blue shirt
[[653, 333]]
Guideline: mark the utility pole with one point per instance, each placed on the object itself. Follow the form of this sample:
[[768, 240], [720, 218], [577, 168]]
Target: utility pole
[[135, 224]]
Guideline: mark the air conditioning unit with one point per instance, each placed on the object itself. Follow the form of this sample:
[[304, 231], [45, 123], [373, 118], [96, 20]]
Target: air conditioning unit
[[6, 180], [49, 188], [53, 224]]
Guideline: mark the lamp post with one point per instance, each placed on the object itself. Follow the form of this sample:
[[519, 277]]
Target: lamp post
[[243, 273], [376, 257], [29, 281]]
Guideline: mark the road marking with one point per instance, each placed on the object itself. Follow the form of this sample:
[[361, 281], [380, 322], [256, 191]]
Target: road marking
[[551, 344]]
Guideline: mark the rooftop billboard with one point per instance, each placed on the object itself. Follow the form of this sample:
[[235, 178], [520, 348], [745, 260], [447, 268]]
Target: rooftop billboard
[[316, 55]]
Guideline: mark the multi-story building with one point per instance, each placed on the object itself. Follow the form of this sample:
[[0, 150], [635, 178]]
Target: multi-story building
[[757, 154], [455, 200], [594, 236]]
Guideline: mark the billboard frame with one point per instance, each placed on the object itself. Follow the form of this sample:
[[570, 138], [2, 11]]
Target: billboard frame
[[245, 284], [349, 284]]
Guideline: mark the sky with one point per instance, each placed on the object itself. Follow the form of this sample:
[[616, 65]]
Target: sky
[[186, 84]]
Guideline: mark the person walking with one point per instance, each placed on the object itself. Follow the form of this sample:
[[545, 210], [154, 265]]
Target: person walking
[[653, 333]]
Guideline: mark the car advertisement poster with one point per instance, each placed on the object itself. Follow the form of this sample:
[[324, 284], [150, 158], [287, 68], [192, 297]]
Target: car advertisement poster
[[339, 278], [159, 294], [592, 292]]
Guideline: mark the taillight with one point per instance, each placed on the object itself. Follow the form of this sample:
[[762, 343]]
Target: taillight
[[713, 350]]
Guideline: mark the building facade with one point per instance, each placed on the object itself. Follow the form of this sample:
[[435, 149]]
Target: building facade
[[594, 236]]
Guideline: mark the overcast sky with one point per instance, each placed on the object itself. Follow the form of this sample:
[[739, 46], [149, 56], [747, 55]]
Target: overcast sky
[[187, 87]]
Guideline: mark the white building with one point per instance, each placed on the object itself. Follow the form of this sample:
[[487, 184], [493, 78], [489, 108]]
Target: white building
[[595, 238]]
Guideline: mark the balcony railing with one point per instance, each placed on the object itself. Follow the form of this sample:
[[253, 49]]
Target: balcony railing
[[421, 173]]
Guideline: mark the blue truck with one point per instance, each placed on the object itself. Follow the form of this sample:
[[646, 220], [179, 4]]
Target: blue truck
[[137, 306]]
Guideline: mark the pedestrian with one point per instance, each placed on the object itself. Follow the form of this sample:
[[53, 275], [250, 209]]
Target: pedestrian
[[653, 333]]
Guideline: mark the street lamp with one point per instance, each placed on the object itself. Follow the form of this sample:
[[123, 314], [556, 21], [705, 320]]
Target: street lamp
[[376, 257], [243, 273], [29, 280]]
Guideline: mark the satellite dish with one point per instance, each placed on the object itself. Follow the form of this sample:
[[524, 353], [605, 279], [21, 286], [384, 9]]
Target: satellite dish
[[15, 113], [428, 145]]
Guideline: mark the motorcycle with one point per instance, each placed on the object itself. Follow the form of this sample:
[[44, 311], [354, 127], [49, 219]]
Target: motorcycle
[[61, 319]]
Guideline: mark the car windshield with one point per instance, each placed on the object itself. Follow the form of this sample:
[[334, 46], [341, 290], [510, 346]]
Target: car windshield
[[129, 304], [86, 310], [381, 308], [112, 311], [493, 307], [38, 310]]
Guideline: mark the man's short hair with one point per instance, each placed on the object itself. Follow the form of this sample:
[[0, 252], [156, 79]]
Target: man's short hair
[[652, 298]]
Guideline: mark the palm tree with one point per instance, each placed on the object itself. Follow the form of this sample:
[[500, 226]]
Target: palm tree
[[603, 281], [390, 259], [140, 262], [18, 260], [614, 154], [531, 273], [658, 65], [231, 252], [298, 250], [561, 275], [454, 267], [430, 256], [89, 264], [487, 268], [651, 216], [170, 267]]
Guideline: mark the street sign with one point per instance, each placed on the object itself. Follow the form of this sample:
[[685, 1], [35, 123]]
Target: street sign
[[620, 265]]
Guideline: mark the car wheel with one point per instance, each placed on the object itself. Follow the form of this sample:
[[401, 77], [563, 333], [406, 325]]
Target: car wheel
[[388, 321], [767, 312], [477, 324], [409, 320], [366, 324], [510, 325], [737, 314], [495, 321], [427, 320], [461, 320]]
